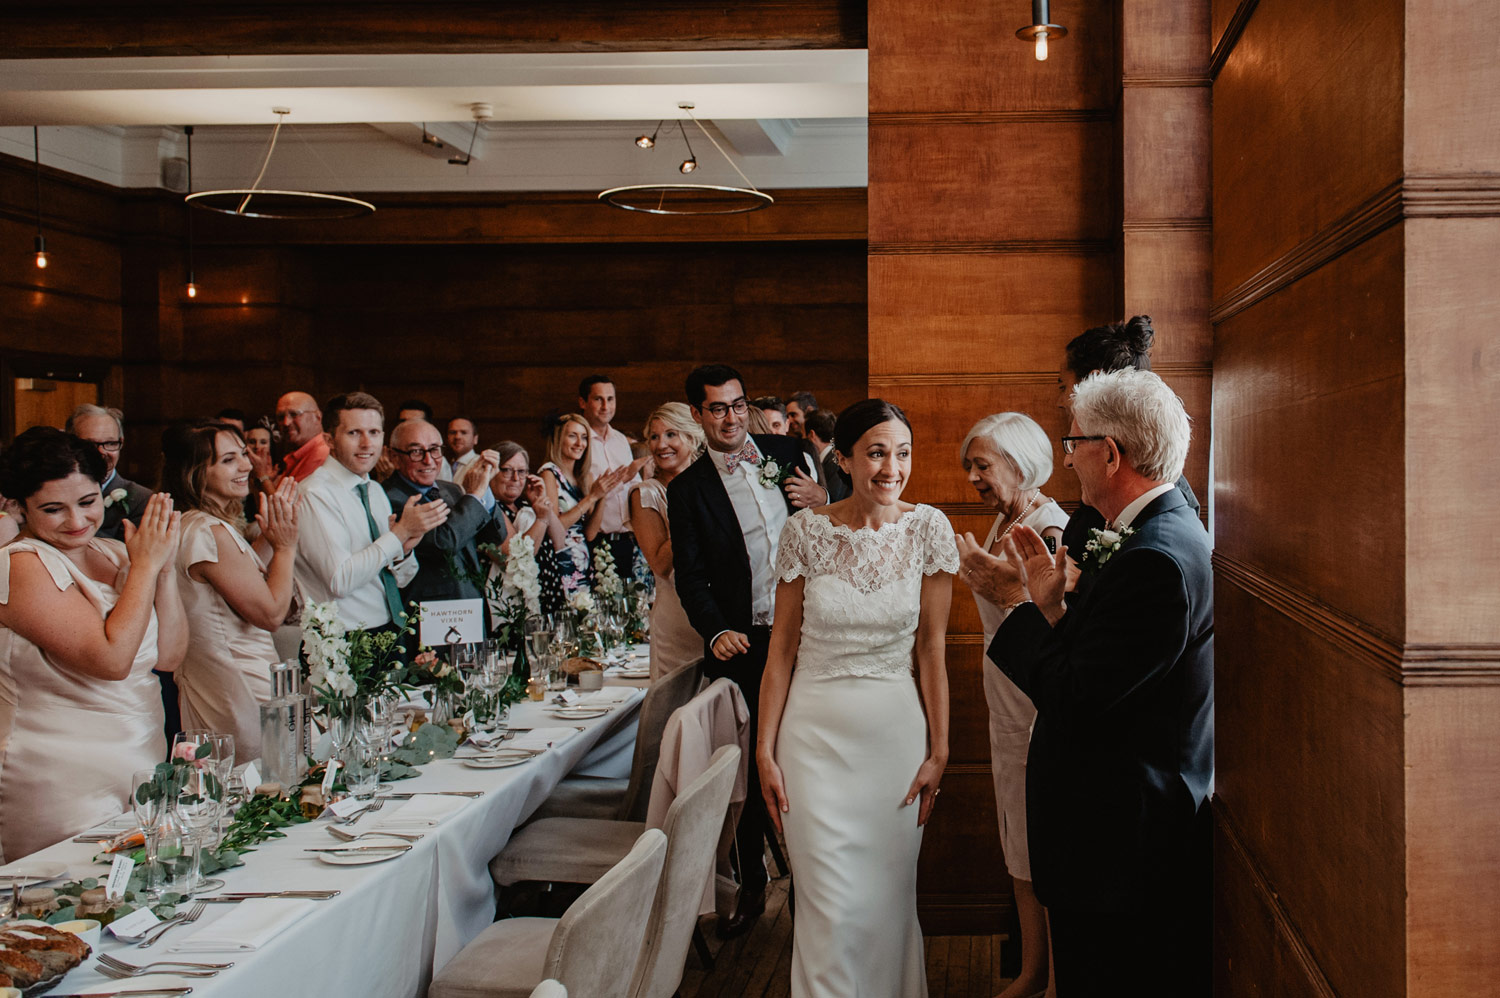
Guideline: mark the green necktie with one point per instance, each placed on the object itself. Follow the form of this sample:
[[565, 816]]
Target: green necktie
[[387, 580]]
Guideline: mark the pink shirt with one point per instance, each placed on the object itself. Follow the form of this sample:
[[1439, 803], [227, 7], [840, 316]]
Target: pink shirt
[[308, 458], [605, 454]]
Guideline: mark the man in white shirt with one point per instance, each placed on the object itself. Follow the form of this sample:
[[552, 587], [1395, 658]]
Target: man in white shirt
[[350, 548], [609, 449], [463, 441]]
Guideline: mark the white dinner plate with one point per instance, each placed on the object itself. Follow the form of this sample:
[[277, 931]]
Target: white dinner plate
[[497, 761], [27, 872], [365, 858], [578, 713]]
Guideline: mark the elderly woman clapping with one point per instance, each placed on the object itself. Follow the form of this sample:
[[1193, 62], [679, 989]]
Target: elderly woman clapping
[[1008, 458]]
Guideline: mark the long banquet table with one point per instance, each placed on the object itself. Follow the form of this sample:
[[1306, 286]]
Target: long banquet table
[[393, 922]]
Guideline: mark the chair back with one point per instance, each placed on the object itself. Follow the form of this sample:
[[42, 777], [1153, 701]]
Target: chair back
[[549, 989], [665, 696], [692, 830], [597, 942]]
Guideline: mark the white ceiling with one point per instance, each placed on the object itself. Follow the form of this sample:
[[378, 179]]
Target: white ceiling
[[558, 121]]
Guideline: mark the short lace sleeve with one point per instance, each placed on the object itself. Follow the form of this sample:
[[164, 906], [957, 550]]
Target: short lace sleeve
[[791, 559], [939, 549], [55, 564]]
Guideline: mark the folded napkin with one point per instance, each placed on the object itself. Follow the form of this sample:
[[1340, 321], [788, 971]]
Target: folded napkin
[[613, 695], [247, 927], [422, 811], [541, 738]]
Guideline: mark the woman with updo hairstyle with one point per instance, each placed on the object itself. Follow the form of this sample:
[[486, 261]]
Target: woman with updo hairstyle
[[1111, 347], [854, 712], [83, 620], [676, 441], [236, 595]]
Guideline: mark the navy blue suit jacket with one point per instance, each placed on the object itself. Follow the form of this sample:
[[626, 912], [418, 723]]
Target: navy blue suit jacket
[[1122, 754]]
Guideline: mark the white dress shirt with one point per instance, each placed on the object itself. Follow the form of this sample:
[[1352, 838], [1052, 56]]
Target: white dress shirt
[[1129, 513], [607, 453], [336, 560], [762, 514]]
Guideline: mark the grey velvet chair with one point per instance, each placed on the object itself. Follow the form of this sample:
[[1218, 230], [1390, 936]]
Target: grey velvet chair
[[549, 989], [627, 799], [592, 950]]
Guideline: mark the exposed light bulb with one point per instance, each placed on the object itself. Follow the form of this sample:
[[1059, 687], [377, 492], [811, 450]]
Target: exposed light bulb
[[40, 243], [645, 142], [192, 290], [41, 259], [688, 165], [1041, 46]]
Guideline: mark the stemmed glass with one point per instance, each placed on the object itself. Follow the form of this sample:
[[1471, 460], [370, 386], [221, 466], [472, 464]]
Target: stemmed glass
[[380, 730], [201, 804], [151, 809]]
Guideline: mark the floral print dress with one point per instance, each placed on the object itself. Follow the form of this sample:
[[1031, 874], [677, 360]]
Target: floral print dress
[[574, 567]]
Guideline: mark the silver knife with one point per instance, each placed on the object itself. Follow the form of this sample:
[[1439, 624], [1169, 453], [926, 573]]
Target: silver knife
[[115, 994], [347, 849], [437, 793]]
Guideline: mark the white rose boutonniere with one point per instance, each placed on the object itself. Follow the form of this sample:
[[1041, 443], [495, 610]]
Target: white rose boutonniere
[[1102, 546], [119, 496], [770, 474]]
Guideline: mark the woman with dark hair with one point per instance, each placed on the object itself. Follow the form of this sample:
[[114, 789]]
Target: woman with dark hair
[[235, 597], [1112, 347], [850, 737], [83, 620]]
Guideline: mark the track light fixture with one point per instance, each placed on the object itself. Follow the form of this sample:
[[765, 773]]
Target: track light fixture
[[428, 139], [1040, 29], [481, 112], [649, 141], [40, 242], [691, 163]]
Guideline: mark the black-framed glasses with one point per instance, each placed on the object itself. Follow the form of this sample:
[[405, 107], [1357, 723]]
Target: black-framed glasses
[[1070, 444], [418, 453], [513, 472], [719, 410], [111, 446]]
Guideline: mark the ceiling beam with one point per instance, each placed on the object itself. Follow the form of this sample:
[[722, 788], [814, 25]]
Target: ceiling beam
[[75, 29]]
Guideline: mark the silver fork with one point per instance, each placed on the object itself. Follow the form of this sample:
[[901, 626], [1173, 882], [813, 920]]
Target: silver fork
[[193, 914], [375, 806], [111, 971], [130, 968], [347, 836]]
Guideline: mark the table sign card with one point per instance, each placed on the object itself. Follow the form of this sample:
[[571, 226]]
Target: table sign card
[[133, 925], [328, 775], [451, 622], [250, 776], [567, 698], [119, 876]]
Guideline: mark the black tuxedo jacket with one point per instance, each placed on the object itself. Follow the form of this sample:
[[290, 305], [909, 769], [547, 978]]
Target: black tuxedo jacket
[[115, 516], [834, 480], [1086, 518], [1122, 754], [712, 568], [448, 559]]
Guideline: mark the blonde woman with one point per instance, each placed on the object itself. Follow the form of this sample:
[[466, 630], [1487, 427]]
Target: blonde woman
[[676, 441], [235, 598], [575, 497]]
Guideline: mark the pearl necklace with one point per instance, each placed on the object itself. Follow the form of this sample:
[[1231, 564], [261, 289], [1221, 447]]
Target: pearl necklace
[[1006, 532]]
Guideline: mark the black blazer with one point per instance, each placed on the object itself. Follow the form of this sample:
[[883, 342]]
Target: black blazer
[[1122, 754], [1086, 518], [115, 515], [448, 559], [834, 480], [712, 568]]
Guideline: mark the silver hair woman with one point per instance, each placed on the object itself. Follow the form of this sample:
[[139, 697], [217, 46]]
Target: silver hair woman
[[1008, 458]]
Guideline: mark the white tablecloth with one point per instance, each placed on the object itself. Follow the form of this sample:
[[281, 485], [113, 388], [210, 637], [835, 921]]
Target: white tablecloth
[[394, 922]]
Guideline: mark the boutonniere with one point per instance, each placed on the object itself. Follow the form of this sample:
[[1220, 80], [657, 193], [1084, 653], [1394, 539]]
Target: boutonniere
[[771, 475], [118, 496], [1102, 546]]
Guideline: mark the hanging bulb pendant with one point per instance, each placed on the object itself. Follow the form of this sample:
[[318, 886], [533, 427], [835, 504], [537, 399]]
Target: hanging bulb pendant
[[1041, 30], [41, 252]]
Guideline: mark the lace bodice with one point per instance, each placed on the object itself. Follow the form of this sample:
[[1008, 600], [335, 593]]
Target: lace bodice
[[862, 597]]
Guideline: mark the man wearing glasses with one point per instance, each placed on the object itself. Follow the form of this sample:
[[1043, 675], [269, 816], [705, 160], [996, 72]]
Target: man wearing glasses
[[105, 429], [301, 423], [448, 561]]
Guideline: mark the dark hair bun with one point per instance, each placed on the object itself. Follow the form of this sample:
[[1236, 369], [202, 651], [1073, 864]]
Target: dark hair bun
[[857, 420], [45, 454], [1138, 335]]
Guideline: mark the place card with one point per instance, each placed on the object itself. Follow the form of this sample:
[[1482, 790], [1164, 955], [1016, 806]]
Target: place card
[[119, 876], [329, 775], [133, 925], [452, 622], [567, 698], [250, 776], [349, 805]]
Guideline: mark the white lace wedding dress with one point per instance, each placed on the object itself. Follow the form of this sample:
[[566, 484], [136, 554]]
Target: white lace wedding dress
[[852, 736]]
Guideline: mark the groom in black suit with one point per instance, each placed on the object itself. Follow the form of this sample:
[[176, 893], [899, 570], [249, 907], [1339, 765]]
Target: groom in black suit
[[1121, 766], [726, 511]]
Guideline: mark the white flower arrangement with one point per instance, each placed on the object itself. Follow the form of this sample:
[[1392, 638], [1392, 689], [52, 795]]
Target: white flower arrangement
[[520, 579], [581, 600], [117, 496], [1103, 544], [606, 580], [327, 649], [770, 474]]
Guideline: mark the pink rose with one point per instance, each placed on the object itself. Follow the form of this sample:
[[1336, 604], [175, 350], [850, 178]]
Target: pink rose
[[185, 751]]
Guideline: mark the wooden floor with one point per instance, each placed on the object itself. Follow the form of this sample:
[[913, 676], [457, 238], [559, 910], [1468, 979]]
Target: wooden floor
[[759, 962]]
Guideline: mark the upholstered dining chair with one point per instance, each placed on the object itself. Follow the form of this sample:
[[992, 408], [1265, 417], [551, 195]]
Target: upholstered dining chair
[[592, 950], [627, 799], [549, 989]]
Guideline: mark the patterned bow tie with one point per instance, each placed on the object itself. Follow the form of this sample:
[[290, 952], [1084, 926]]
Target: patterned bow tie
[[745, 455]]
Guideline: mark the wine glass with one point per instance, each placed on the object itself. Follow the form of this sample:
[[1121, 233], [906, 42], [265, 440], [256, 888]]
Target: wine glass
[[200, 805], [149, 803], [567, 635], [219, 761]]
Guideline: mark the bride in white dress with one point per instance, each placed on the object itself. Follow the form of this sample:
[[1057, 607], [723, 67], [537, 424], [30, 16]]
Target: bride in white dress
[[854, 714]]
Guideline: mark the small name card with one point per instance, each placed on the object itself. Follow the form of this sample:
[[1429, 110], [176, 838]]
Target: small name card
[[119, 876], [567, 698], [347, 806], [250, 776], [328, 778], [134, 924], [452, 622]]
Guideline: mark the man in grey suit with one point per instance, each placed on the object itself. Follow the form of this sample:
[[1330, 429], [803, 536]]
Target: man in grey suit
[[448, 558], [105, 429]]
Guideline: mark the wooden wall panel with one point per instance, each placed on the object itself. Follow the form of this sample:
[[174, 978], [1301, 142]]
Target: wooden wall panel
[[1166, 152], [1306, 737], [1305, 129], [1166, 276], [1308, 392], [1452, 112]]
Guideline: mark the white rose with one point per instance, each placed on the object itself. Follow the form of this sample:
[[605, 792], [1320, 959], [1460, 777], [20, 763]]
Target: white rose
[[1110, 537]]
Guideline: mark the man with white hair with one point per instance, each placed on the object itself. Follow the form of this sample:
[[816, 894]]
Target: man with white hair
[[123, 499], [1121, 765]]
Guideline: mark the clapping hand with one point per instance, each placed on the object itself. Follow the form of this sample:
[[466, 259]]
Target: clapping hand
[[536, 493], [477, 478], [153, 545], [995, 579], [1043, 574], [609, 481], [277, 517], [417, 517], [804, 492]]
